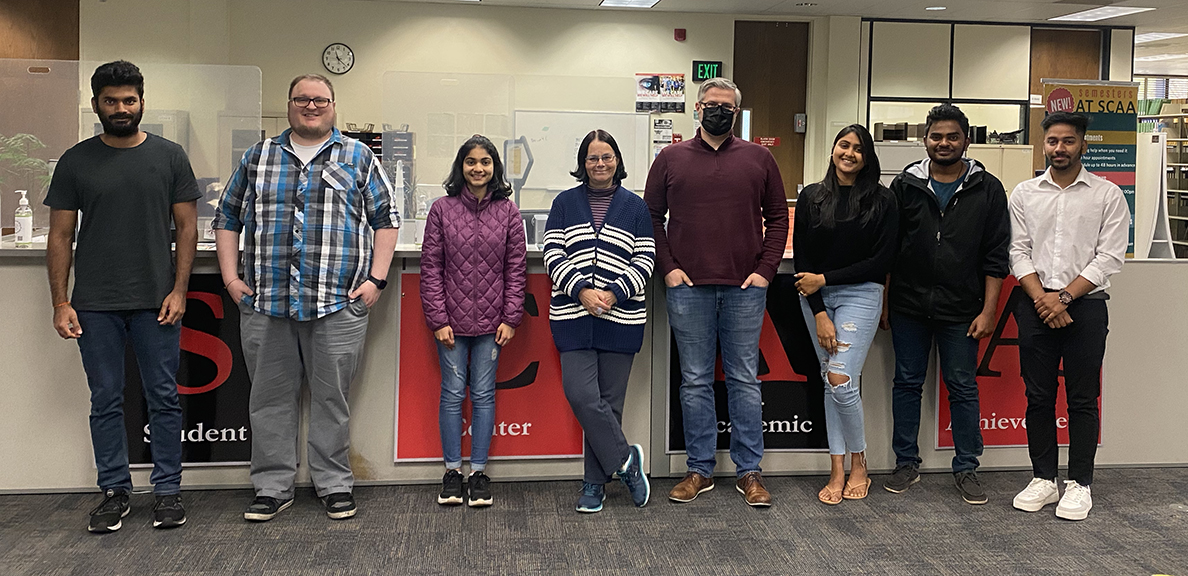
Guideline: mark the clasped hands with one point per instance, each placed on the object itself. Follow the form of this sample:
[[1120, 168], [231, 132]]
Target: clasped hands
[[1052, 311], [596, 302]]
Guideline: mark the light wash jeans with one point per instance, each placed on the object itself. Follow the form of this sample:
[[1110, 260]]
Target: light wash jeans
[[704, 318], [472, 361], [854, 310]]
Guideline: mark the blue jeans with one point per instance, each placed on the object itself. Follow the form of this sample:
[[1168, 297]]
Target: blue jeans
[[912, 338], [158, 351], [854, 310], [477, 356], [702, 319]]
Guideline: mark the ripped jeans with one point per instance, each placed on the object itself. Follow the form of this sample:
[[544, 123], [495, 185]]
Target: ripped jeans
[[854, 310]]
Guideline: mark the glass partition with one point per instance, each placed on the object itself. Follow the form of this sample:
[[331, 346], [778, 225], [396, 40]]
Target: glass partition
[[45, 93], [212, 112], [427, 116]]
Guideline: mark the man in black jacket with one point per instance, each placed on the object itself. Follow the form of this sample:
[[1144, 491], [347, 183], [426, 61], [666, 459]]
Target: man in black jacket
[[954, 231]]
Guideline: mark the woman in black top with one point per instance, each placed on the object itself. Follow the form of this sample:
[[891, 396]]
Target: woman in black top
[[843, 245]]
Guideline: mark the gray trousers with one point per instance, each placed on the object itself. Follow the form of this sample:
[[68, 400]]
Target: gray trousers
[[281, 354], [595, 384]]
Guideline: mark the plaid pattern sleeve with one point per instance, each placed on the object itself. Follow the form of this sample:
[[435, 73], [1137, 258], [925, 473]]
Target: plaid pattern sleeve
[[307, 228]]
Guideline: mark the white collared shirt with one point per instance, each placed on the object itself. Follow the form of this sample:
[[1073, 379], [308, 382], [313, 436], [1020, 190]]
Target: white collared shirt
[[1060, 234]]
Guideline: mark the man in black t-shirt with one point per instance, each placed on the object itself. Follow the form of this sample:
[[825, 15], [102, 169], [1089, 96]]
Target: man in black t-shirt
[[128, 184]]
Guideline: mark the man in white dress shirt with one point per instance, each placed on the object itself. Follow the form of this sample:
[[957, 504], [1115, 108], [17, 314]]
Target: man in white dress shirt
[[1069, 231]]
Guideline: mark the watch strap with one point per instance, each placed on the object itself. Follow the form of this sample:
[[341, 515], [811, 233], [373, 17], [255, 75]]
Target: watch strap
[[1066, 298], [381, 284]]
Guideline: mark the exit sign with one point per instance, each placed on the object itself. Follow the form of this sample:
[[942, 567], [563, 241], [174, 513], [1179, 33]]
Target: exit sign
[[706, 69]]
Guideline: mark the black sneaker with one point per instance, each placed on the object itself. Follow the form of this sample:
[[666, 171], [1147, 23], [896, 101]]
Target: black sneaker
[[479, 486], [902, 478], [168, 511], [264, 508], [108, 515], [969, 487], [451, 488], [340, 505]]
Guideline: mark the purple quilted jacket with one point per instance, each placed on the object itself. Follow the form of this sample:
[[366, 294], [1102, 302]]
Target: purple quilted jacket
[[473, 264]]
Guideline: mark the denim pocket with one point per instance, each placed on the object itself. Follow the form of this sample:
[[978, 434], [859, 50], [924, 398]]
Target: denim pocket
[[358, 307]]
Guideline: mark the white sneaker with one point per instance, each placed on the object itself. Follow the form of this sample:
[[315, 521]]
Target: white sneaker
[[1076, 503], [1036, 495]]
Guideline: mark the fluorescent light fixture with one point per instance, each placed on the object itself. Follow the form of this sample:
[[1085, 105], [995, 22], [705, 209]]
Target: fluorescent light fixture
[[936, 8], [1102, 13], [628, 3], [1160, 57], [1156, 36]]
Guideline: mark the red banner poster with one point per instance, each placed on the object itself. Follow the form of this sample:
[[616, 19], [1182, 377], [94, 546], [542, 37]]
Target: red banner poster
[[1001, 392], [532, 416]]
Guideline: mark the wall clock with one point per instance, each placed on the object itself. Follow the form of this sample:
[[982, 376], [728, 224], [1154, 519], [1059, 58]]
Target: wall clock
[[338, 58]]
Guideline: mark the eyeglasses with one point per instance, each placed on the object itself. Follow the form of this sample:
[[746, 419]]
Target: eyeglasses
[[606, 159], [724, 107], [302, 102]]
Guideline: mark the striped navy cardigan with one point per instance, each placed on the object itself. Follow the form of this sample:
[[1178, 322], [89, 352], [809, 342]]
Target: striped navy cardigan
[[618, 257]]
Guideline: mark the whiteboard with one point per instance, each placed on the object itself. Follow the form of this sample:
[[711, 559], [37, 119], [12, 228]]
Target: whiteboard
[[554, 137]]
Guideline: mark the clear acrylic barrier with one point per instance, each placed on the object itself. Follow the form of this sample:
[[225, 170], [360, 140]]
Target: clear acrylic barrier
[[213, 112], [36, 127], [427, 116], [553, 138]]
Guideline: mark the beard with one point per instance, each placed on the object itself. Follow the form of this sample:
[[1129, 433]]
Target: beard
[[312, 132], [947, 161], [121, 131]]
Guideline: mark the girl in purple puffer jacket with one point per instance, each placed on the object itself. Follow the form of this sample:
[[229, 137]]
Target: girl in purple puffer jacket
[[473, 275]]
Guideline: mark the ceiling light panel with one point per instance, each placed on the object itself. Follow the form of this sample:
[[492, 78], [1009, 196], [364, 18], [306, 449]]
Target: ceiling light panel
[[1156, 36], [1102, 13], [628, 3]]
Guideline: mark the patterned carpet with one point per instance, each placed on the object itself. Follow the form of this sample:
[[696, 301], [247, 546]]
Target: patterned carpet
[[1139, 525]]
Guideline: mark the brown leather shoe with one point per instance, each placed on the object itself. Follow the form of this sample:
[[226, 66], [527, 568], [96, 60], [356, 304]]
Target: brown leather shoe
[[751, 487], [687, 490]]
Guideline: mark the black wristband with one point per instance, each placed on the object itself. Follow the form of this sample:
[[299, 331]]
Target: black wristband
[[381, 284]]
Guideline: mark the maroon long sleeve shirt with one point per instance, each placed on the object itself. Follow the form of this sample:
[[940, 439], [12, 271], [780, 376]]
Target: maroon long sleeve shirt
[[717, 203]]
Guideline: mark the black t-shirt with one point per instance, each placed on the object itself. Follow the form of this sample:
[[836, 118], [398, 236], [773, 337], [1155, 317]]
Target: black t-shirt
[[123, 259], [851, 251]]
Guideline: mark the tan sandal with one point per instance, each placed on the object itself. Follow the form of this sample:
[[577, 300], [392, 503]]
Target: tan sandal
[[830, 497], [853, 491]]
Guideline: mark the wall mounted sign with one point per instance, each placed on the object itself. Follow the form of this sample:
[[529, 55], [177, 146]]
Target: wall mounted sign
[[705, 69]]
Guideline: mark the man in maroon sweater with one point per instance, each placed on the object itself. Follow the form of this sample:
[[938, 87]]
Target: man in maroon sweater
[[719, 194]]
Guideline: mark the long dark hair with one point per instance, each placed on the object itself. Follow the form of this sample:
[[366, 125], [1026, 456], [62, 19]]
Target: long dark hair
[[498, 187], [862, 205], [584, 149]]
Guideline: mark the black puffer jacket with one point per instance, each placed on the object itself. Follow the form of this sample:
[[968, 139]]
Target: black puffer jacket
[[946, 252]]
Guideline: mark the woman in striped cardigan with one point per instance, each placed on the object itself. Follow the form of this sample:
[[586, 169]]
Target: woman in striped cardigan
[[599, 253]]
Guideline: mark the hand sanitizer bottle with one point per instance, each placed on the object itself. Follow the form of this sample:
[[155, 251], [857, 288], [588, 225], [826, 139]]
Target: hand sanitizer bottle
[[24, 222]]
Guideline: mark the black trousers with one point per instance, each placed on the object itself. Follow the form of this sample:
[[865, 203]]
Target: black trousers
[[1081, 345]]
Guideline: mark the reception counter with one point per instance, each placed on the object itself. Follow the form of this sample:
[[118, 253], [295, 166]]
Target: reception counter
[[46, 442]]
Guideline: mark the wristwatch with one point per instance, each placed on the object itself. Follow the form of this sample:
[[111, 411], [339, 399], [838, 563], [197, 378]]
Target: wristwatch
[[381, 284], [1065, 297]]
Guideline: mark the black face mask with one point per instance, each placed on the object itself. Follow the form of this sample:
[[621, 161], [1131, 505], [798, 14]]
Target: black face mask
[[716, 121]]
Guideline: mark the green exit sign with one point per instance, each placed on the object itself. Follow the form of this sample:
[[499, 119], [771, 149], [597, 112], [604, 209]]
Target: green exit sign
[[706, 69]]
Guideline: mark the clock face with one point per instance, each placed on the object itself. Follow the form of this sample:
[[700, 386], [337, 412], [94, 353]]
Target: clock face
[[338, 58]]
